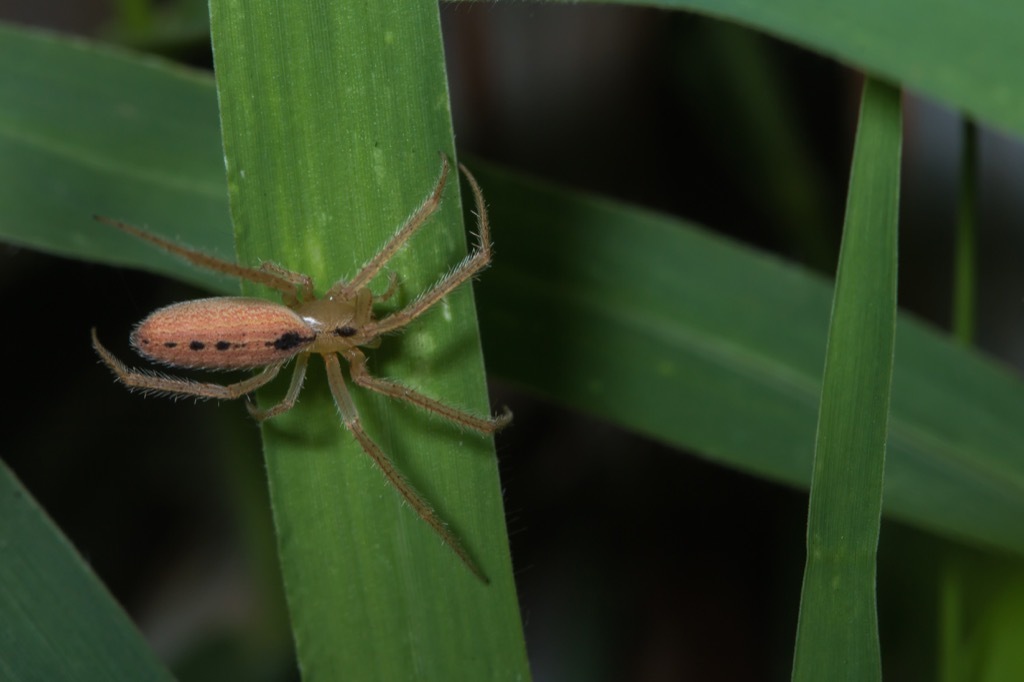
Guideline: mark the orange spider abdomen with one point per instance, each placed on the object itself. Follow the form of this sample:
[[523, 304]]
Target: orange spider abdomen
[[222, 333]]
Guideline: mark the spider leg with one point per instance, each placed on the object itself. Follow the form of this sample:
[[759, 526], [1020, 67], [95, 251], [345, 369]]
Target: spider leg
[[464, 271], [407, 230], [393, 389], [302, 284], [154, 383], [390, 291], [298, 376], [285, 281], [351, 418]]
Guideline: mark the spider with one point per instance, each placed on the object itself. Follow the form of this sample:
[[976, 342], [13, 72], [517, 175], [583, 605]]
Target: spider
[[235, 333]]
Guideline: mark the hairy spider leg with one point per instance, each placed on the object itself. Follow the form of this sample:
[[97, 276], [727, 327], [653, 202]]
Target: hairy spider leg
[[288, 402], [153, 383], [393, 389], [294, 285], [467, 269], [408, 229], [350, 416]]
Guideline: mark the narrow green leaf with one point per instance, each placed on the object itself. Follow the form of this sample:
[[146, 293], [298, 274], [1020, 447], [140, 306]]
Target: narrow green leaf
[[333, 117], [837, 605], [58, 621]]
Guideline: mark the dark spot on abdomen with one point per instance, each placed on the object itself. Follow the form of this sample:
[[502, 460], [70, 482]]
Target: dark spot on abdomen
[[289, 341], [223, 345], [197, 345], [169, 344]]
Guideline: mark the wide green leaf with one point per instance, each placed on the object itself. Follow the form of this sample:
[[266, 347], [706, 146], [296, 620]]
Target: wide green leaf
[[332, 117]]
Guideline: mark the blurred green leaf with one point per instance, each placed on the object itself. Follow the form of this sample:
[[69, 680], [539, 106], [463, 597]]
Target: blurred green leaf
[[697, 341], [982, 599], [966, 54], [59, 623], [90, 129]]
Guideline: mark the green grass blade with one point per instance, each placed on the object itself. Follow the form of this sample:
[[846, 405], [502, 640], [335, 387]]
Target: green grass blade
[[59, 623], [333, 116], [837, 606], [966, 54]]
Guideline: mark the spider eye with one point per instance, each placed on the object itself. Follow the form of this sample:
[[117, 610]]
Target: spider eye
[[345, 331]]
